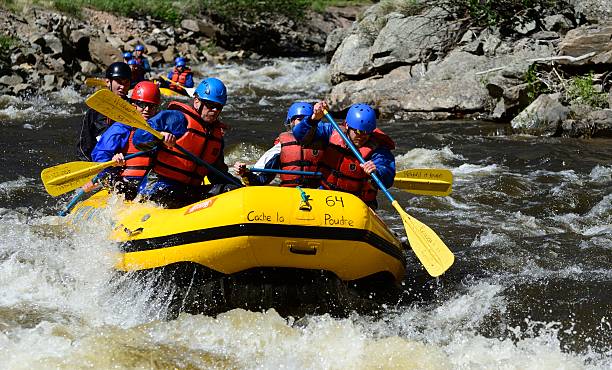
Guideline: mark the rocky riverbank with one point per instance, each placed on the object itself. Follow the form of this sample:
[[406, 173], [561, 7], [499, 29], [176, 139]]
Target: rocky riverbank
[[547, 71], [44, 50]]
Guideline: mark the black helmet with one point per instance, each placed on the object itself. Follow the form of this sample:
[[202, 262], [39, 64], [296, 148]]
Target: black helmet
[[118, 70]]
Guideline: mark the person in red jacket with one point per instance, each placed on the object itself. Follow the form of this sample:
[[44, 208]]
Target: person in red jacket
[[117, 142], [180, 74], [286, 154], [176, 179], [340, 167]]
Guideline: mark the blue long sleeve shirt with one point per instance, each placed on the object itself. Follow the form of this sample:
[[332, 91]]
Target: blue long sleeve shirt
[[111, 142], [311, 132]]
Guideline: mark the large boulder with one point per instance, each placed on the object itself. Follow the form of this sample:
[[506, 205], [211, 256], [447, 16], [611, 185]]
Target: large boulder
[[543, 117], [593, 10], [409, 40], [588, 39]]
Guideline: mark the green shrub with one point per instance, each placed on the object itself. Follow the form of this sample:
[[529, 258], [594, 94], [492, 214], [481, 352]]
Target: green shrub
[[535, 87], [6, 43], [582, 89], [68, 6]]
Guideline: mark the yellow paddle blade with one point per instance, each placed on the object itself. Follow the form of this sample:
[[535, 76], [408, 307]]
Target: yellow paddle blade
[[95, 82], [189, 90], [167, 92], [112, 106], [66, 177], [425, 181], [426, 244]]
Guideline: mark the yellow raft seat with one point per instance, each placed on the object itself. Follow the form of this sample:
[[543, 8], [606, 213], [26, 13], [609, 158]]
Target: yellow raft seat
[[257, 227]]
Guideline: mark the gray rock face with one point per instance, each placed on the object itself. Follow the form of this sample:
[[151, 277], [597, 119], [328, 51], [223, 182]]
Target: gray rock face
[[592, 123], [11, 80], [352, 59], [542, 117], [408, 40], [333, 41], [587, 39], [593, 10]]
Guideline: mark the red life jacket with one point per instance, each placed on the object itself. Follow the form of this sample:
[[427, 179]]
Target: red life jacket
[[137, 166], [140, 61], [137, 75], [180, 77], [202, 139], [341, 169], [294, 157]]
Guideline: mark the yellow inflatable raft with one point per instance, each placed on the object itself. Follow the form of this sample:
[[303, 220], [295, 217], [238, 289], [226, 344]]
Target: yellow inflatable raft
[[256, 229], [259, 226]]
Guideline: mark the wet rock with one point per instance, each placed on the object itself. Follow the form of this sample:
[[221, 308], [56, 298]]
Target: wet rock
[[50, 83], [169, 54], [545, 35], [53, 45], [543, 117], [590, 123], [200, 27], [21, 89], [557, 23], [103, 53], [11, 80], [88, 68], [525, 28]]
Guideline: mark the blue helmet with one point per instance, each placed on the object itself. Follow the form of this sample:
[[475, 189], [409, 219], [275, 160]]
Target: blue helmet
[[361, 117], [132, 62], [127, 55], [139, 47], [180, 62], [212, 89], [299, 108]]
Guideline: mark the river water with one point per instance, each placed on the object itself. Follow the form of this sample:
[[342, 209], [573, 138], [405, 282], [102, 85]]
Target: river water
[[529, 220]]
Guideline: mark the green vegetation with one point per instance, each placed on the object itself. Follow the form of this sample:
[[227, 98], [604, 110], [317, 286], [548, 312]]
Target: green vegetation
[[173, 11], [535, 87], [6, 43], [164, 10], [582, 89], [68, 7]]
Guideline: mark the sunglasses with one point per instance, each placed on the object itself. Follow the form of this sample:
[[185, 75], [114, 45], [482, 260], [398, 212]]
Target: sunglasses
[[143, 105], [359, 132], [212, 105]]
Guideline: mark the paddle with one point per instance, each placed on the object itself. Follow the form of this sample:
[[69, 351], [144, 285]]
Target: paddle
[[189, 90], [168, 92], [95, 82], [425, 181], [66, 177], [288, 172], [112, 106], [426, 244]]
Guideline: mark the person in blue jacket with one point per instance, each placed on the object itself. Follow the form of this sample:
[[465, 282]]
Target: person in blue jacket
[[341, 169], [117, 142], [177, 179], [286, 154], [138, 73], [138, 55], [181, 74]]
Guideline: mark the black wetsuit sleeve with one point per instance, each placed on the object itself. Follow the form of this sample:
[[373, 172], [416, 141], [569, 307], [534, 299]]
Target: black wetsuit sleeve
[[93, 125]]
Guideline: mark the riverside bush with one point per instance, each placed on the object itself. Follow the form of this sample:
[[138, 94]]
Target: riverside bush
[[173, 11], [582, 89]]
